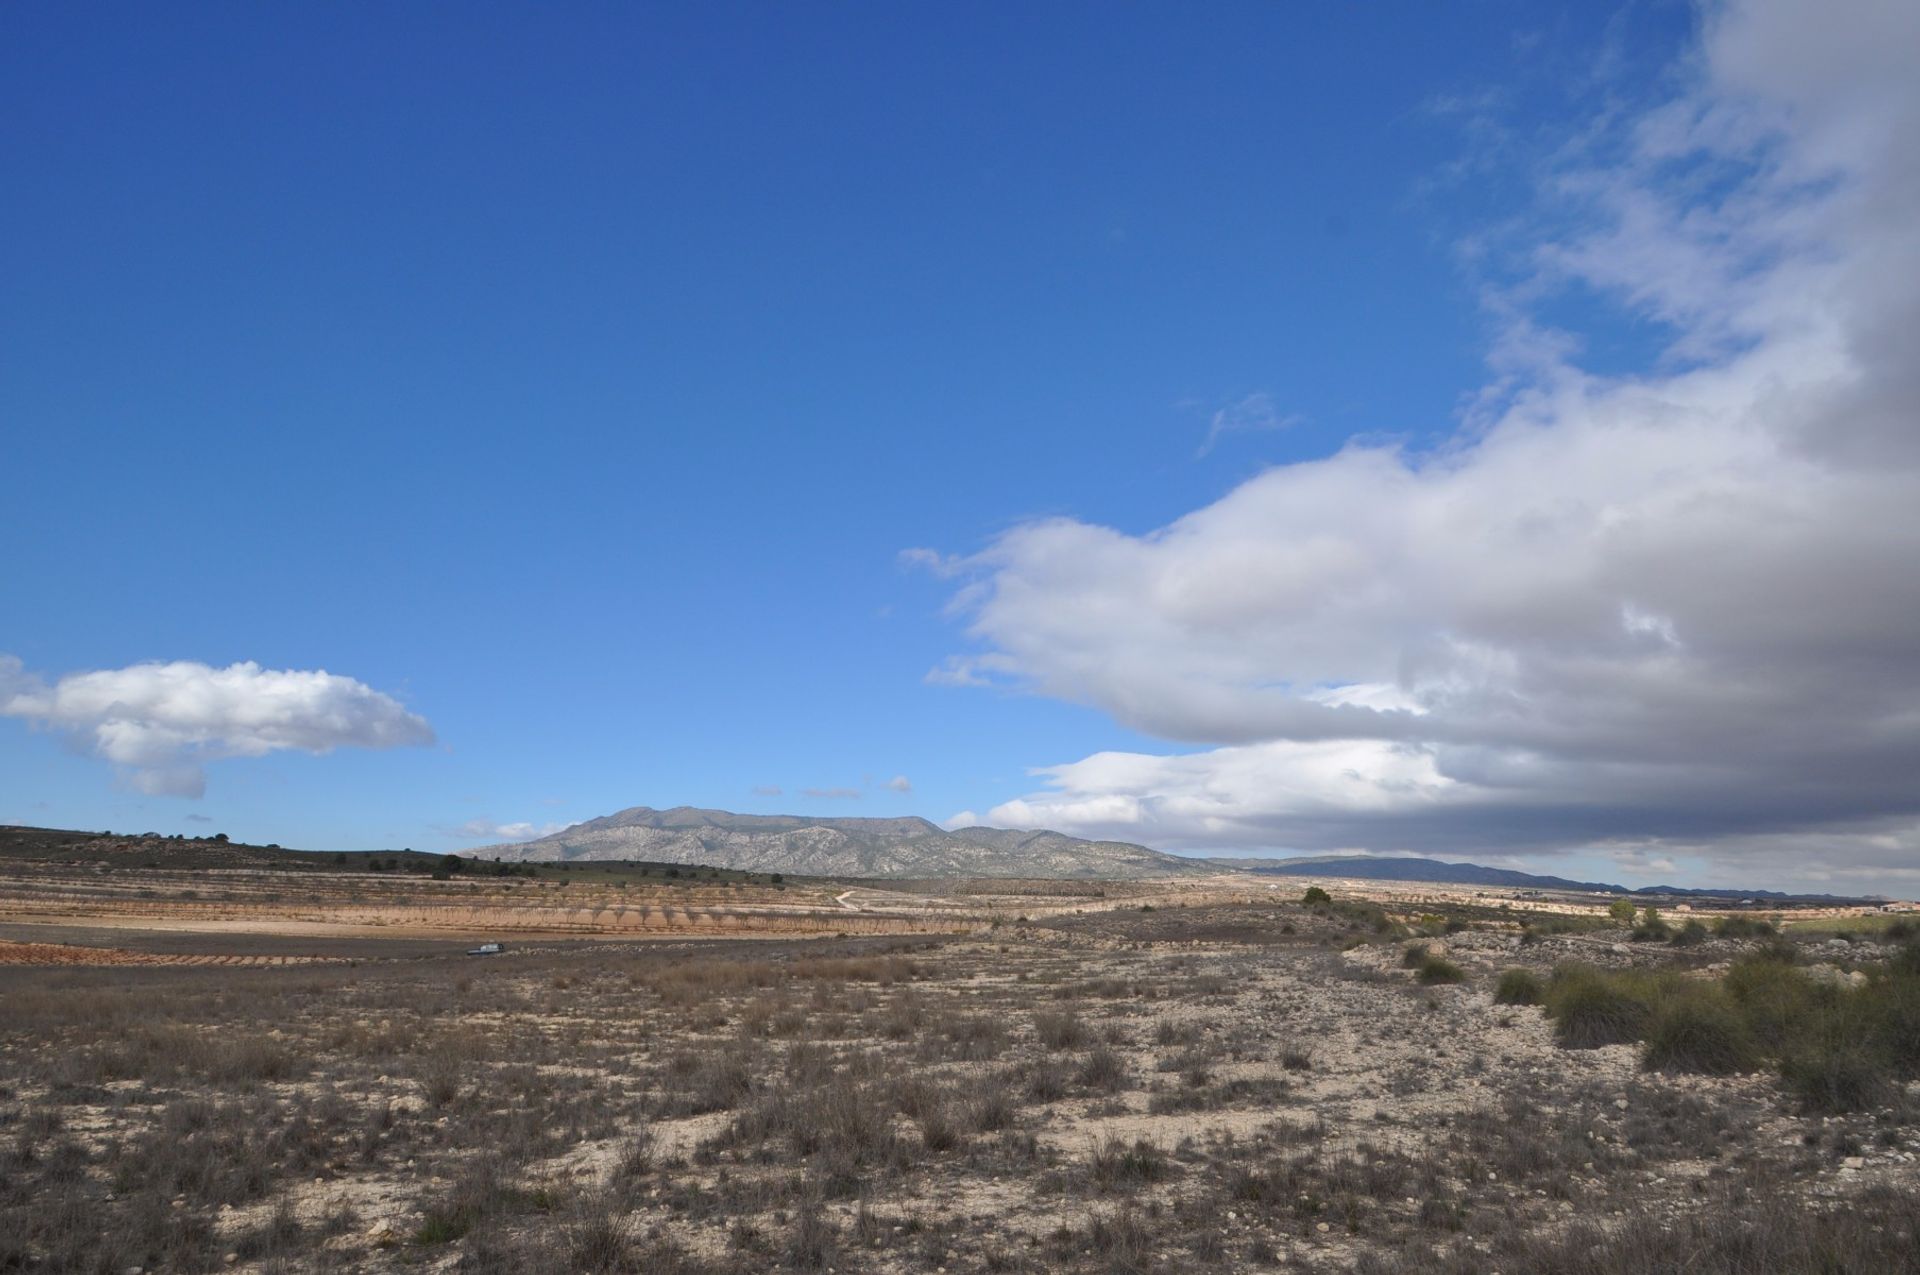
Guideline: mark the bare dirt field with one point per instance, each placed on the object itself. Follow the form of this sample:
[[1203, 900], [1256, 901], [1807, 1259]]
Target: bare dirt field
[[1002, 1077]]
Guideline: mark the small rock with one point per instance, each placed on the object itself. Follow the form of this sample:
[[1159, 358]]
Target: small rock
[[1323, 1228]]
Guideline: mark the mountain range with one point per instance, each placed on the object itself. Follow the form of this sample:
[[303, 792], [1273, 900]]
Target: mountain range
[[909, 846], [1371, 868], [902, 847]]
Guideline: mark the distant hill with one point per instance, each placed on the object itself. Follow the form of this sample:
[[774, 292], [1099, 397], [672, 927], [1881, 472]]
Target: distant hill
[[838, 847], [1369, 868], [154, 850]]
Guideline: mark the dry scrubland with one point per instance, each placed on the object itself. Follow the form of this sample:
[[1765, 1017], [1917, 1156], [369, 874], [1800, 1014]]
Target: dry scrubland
[[1172, 1086]]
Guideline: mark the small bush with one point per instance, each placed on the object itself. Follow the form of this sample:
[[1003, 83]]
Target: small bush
[[1123, 1241], [1700, 1030], [1834, 1076], [1692, 934], [1315, 895], [1519, 987], [1060, 1031], [1104, 1070], [1046, 1082], [937, 1132], [1891, 1007], [1777, 1000], [1743, 927], [1118, 1165], [600, 1239], [811, 1243], [991, 1112], [1438, 969], [1591, 1007]]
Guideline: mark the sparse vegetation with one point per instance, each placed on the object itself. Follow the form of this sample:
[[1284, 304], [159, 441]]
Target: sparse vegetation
[[1197, 1087]]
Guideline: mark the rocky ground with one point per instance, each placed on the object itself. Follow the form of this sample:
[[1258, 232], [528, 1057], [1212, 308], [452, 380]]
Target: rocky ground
[[1162, 1088]]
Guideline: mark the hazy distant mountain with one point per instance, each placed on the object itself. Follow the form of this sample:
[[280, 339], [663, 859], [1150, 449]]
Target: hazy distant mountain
[[907, 847], [1368, 868]]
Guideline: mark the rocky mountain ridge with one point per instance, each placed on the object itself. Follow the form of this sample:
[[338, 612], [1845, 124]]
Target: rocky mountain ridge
[[903, 847]]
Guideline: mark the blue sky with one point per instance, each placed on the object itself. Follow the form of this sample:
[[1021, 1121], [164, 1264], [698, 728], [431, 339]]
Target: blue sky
[[577, 377]]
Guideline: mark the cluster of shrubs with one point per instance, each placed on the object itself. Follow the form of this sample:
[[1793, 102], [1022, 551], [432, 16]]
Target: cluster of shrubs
[[1648, 926], [1837, 1046]]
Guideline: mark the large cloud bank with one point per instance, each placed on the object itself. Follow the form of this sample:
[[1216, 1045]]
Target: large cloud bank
[[1669, 612], [161, 722]]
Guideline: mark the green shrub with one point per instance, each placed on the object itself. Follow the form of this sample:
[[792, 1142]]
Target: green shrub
[[1591, 1007], [1622, 910], [1834, 1075], [1357, 915], [1890, 1006], [1777, 1000], [1438, 969], [1519, 987], [1692, 934], [1699, 1029], [1315, 895], [1414, 955], [1743, 927], [1652, 926]]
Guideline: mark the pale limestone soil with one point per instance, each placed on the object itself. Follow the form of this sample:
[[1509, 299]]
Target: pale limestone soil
[[1390, 1065], [1392, 1069]]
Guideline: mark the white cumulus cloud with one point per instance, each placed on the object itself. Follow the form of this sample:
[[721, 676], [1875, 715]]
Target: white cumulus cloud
[[161, 722], [1670, 612]]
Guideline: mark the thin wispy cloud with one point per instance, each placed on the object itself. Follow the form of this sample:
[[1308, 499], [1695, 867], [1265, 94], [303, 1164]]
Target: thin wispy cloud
[[1255, 413]]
